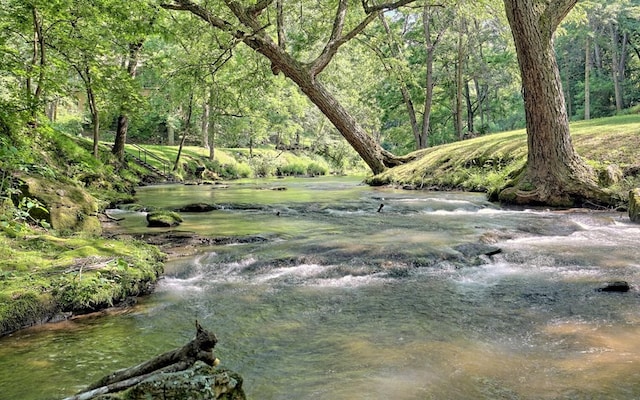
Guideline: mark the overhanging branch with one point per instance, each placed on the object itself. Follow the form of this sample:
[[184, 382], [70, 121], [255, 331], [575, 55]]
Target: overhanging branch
[[390, 5]]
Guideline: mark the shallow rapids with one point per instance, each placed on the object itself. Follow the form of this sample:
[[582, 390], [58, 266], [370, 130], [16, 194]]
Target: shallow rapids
[[339, 301]]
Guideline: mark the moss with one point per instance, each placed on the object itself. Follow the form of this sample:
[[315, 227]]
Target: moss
[[46, 273], [163, 219]]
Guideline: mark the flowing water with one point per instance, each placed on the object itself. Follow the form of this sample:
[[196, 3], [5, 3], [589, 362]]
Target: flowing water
[[314, 294]]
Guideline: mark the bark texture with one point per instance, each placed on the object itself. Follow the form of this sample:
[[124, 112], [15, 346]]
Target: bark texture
[[555, 174]]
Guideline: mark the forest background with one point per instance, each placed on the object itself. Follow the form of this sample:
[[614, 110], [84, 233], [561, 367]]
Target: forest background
[[418, 76]]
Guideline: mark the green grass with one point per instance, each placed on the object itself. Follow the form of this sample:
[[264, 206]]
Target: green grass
[[485, 163], [234, 163]]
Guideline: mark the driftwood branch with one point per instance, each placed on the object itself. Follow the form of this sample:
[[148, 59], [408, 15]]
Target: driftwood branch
[[198, 349]]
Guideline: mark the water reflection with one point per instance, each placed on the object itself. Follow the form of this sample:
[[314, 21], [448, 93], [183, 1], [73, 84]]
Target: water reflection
[[343, 302]]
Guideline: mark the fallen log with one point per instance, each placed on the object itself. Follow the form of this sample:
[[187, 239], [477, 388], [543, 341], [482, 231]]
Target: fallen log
[[198, 349]]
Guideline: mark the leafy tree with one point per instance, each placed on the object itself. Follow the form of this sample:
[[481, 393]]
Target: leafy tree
[[250, 25]]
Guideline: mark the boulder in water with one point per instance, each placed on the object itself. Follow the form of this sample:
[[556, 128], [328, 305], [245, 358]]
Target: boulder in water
[[200, 382], [618, 286], [198, 208], [163, 219]]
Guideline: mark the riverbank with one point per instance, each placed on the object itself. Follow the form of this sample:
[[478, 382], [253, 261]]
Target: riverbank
[[484, 164], [55, 261]]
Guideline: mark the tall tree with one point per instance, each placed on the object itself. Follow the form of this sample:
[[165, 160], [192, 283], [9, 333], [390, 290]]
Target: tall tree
[[554, 173], [249, 25]]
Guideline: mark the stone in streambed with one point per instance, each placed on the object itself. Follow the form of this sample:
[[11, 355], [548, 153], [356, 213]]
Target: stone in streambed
[[618, 287], [163, 219], [199, 382]]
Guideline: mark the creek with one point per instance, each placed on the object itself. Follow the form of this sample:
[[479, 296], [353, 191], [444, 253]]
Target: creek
[[314, 294]]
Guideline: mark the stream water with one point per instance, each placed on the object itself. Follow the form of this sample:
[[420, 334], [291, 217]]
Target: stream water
[[330, 299]]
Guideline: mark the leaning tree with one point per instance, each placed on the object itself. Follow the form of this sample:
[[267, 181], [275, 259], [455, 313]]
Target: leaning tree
[[554, 174], [252, 25]]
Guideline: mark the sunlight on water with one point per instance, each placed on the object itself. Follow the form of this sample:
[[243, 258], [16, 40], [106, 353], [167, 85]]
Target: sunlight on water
[[340, 301]]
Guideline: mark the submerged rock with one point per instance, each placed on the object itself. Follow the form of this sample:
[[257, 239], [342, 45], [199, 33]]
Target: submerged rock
[[198, 207], [471, 251], [619, 286], [634, 205]]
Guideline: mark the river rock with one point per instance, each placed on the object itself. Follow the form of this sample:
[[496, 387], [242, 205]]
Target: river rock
[[634, 205], [199, 382], [163, 219], [470, 250], [619, 286], [198, 208]]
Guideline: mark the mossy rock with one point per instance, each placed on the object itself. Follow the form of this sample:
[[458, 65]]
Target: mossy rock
[[163, 219], [634, 205], [200, 382], [71, 208]]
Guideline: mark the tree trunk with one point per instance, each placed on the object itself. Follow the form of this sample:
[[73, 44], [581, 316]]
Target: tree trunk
[[121, 136], [470, 111], [554, 173], [211, 126], [615, 67], [95, 115], [587, 79], [430, 48], [459, 82], [187, 126], [396, 52], [204, 127], [123, 119]]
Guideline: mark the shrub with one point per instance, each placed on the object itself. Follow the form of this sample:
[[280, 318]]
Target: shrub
[[294, 169], [316, 169]]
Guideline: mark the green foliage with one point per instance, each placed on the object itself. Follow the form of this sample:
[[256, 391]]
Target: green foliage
[[316, 169]]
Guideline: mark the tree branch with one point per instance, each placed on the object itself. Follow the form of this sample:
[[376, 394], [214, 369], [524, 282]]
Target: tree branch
[[188, 5], [337, 39], [391, 5], [555, 13]]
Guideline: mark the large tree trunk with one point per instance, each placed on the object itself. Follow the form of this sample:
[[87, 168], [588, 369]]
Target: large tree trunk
[[376, 158], [554, 174], [304, 75]]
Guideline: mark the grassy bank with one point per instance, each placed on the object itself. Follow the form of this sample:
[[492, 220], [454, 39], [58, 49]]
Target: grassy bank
[[485, 163], [53, 260], [245, 163]]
